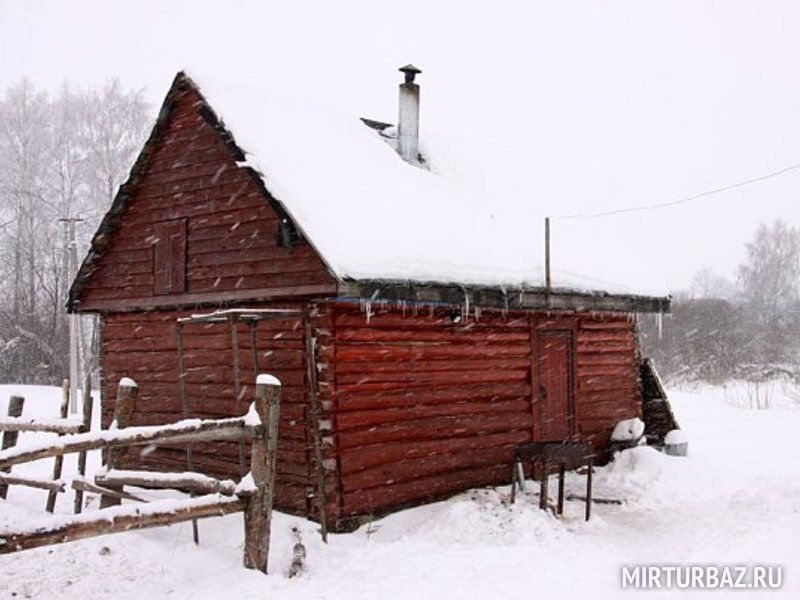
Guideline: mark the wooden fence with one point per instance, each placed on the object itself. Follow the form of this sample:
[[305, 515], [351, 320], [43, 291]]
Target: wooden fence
[[210, 497]]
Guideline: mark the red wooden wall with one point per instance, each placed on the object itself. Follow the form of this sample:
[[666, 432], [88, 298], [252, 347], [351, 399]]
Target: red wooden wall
[[143, 346], [230, 250], [422, 407]]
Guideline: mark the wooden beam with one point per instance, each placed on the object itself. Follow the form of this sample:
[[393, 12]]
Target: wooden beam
[[19, 424], [54, 486], [222, 430], [81, 485], [119, 519], [185, 482]]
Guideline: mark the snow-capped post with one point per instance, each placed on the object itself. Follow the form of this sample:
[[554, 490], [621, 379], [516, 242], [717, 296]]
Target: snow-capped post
[[58, 463], [15, 404], [408, 120], [127, 394], [258, 513]]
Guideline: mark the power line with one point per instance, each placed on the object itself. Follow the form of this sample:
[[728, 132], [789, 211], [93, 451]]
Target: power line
[[682, 200]]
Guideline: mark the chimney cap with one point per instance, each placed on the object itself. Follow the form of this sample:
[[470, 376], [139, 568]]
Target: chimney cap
[[410, 71]]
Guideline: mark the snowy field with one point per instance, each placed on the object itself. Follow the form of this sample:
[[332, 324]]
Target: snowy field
[[734, 500]]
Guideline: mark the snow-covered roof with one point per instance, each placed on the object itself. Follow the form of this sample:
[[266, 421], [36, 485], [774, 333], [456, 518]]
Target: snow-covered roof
[[472, 217]]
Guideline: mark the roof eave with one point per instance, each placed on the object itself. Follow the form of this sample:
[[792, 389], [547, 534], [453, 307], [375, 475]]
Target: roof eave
[[532, 298]]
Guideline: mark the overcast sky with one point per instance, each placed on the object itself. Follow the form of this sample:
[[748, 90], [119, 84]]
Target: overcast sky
[[602, 104]]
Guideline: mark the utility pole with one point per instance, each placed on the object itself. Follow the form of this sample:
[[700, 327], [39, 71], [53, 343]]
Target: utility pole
[[74, 325]]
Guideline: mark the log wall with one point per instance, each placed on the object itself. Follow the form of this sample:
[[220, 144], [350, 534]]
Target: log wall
[[422, 407], [143, 346], [230, 228]]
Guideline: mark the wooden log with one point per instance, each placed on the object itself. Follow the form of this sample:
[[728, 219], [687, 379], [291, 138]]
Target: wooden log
[[185, 482], [58, 463], [54, 486], [178, 433], [15, 404], [81, 485], [127, 394], [87, 423], [258, 513], [117, 520], [60, 426]]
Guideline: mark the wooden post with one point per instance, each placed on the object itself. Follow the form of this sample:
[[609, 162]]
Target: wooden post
[[127, 394], [15, 404], [543, 486], [589, 490], [562, 468], [58, 462], [87, 423], [258, 513]]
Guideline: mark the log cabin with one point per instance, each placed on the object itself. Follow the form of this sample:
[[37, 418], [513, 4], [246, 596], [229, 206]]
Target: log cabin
[[417, 338]]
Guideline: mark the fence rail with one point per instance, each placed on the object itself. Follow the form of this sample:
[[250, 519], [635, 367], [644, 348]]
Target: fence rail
[[259, 426]]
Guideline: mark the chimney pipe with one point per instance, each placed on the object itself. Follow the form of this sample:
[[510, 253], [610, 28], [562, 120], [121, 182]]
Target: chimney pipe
[[408, 121]]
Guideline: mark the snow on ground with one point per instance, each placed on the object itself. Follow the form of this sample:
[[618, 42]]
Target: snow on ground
[[734, 500]]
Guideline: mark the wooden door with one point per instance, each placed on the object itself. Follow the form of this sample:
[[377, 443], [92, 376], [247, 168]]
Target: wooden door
[[557, 407]]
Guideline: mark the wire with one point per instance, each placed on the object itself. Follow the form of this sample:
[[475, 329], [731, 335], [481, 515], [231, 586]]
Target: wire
[[682, 200]]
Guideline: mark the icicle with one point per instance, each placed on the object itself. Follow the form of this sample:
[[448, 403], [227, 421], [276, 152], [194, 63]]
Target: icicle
[[660, 322], [477, 311], [466, 304], [369, 310]]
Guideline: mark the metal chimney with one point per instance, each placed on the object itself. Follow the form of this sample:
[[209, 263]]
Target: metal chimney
[[408, 122]]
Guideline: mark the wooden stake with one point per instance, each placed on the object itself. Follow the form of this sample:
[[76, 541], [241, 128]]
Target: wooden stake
[[258, 513], [87, 423], [58, 463], [42, 484], [15, 404], [127, 394]]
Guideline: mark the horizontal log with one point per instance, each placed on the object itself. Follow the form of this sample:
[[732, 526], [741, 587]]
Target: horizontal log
[[354, 382], [436, 427], [430, 352], [432, 380], [465, 336], [383, 498], [432, 395], [367, 418], [119, 519], [53, 485], [61, 426], [422, 366], [184, 481], [177, 433], [392, 474], [348, 317], [356, 459], [595, 323]]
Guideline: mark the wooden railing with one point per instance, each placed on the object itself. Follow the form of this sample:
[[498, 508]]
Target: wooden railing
[[211, 497]]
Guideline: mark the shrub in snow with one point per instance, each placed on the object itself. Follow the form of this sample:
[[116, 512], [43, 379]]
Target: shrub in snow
[[629, 430]]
